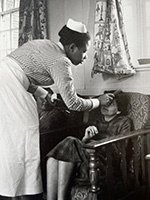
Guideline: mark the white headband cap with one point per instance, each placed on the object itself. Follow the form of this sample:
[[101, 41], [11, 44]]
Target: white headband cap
[[76, 26]]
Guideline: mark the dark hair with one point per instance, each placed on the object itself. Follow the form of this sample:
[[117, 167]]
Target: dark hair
[[68, 36]]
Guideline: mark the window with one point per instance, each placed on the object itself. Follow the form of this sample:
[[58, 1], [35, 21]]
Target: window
[[137, 24], [9, 24]]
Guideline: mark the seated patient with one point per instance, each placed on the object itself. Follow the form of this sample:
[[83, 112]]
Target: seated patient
[[69, 160]]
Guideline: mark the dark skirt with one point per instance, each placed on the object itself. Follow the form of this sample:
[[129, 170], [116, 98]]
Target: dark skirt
[[71, 150]]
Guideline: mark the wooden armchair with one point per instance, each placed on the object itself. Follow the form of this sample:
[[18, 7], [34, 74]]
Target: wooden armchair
[[62, 124], [140, 187], [139, 111]]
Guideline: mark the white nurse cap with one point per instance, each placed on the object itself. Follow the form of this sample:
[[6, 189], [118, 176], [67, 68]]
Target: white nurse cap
[[76, 26]]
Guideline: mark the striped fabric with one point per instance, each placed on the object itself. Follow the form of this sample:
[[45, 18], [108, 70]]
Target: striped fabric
[[45, 63]]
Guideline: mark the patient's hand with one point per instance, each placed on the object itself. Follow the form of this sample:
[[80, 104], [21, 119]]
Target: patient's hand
[[90, 132]]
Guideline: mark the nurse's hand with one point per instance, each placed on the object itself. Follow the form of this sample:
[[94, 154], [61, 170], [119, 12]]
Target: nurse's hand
[[51, 99], [106, 99]]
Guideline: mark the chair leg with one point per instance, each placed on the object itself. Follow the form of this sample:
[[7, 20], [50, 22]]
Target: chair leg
[[147, 158]]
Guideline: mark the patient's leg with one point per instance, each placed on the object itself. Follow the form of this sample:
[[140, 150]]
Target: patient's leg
[[58, 176], [59, 172], [65, 170], [52, 178]]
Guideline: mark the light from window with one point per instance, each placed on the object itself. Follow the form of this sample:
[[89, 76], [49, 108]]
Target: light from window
[[9, 25], [137, 25]]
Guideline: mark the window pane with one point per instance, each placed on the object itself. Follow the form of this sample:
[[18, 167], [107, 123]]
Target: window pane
[[17, 3], [14, 39], [9, 24], [5, 40], [0, 5], [147, 7], [15, 20], [5, 22], [8, 4], [2, 53]]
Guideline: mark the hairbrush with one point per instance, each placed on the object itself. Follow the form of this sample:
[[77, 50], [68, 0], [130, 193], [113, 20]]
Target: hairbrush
[[117, 92]]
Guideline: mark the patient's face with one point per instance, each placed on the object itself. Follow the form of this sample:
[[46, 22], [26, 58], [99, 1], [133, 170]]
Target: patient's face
[[110, 110]]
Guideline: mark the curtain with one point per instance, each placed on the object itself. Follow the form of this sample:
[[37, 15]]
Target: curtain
[[111, 53], [32, 20]]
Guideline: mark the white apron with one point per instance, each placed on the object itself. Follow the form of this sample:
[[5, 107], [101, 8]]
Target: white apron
[[19, 134]]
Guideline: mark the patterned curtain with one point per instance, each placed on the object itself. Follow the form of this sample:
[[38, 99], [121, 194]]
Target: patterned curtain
[[110, 46], [32, 20]]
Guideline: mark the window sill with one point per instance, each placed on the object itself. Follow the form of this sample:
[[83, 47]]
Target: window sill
[[143, 67]]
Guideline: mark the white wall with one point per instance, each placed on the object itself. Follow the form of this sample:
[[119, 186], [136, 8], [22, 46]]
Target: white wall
[[83, 10]]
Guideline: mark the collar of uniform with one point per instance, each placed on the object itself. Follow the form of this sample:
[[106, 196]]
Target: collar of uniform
[[61, 46]]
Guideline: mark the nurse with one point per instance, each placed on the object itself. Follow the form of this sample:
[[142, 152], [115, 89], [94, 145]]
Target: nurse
[[22, 72]]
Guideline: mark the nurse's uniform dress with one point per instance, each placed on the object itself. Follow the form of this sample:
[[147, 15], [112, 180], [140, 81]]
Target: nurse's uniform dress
[[19, 134], [43, 63]]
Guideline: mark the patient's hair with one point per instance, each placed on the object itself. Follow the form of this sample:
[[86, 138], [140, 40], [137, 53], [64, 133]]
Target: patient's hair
[[68, 36]]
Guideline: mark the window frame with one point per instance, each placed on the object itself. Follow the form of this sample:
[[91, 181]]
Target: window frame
[[4, 12], [136, 29]]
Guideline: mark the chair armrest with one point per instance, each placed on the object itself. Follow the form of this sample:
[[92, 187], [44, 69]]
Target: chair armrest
[[93, 146], [147, 157], [99, 143]]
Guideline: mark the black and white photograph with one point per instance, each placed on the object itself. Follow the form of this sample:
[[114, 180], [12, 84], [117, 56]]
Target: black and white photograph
[[74, 99]]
